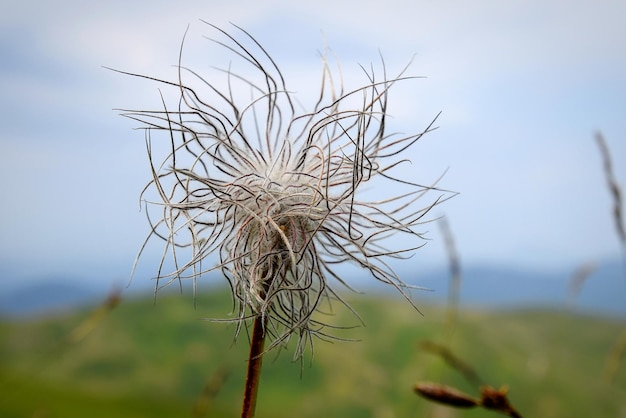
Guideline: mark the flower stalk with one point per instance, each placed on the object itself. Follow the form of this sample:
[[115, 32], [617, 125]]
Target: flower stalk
[[255, 361]]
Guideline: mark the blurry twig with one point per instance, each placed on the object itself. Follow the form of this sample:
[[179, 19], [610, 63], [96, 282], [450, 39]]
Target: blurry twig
[[454, 288], [496, 400], [209, 392], [493, 399], [92, 321], [614, 188], [490, 398], [577, 280], [50, 354], [452, 360], [616, 194], [614, 358], [445, 394]]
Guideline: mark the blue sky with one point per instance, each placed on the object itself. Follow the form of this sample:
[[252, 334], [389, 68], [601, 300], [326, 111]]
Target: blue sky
[[522, 86]]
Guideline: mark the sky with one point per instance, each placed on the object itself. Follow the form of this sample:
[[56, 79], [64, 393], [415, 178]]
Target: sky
[[523, 86]]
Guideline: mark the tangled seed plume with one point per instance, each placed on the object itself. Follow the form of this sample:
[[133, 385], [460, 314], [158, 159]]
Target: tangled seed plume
[[272, 191]]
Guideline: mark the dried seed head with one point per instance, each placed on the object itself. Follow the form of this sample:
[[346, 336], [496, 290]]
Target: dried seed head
[[496, 399], [445, 394], [273, 192]]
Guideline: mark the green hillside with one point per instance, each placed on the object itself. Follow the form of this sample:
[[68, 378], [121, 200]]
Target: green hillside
[[146, 359]]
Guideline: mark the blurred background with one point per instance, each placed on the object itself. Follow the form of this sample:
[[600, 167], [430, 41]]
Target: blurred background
[[522, 87]]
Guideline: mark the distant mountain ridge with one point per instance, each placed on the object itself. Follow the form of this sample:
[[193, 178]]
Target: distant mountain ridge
[[45, 295], [604, 291]]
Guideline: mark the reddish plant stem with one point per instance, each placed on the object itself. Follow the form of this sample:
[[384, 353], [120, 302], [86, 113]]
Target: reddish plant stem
[[254, 367]]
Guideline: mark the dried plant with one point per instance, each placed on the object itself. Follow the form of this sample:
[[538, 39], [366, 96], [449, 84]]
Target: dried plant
[[614, 357], [211, 388], [578, 279], [613, 360], [96, 316], [490, 398], [272, 191], [454, 286], [452, 360], [614, 189], [616, 194], [446, 395]]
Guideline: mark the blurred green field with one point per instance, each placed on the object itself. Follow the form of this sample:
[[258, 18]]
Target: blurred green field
[[146, 359]]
